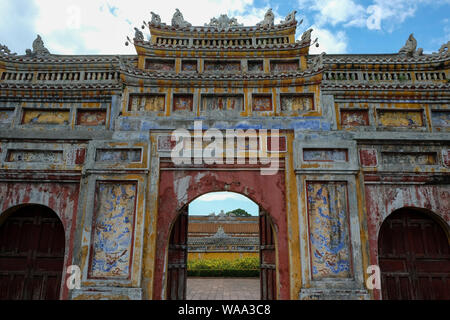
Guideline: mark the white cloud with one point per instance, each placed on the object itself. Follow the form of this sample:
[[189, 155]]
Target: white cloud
[[378, 15], [329, 42], [17, 24], [335, 11], [220, 196], [391, 12], [101, 26]]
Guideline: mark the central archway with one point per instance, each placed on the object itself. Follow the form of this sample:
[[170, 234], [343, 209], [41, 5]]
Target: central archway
[[178, 253], [178, 188]]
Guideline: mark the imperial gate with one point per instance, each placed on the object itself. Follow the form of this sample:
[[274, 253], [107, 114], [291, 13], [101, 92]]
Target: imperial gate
[[360, 137]]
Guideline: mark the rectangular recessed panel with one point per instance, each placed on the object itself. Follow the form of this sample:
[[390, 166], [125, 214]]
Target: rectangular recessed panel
[[91, 117], [354, 118], [160, 65], [6, 115], [222, 102], [262, 103], [284, 66], [118, 155], [413, 159], [326, 155], [255, 66], [165, 143], [329, 230], [147, 102], [297, 102], [183, 102], [407, 119], [223, 66], [35, 156], [113, 227], [441, 119], [189, 65], [47, 117]]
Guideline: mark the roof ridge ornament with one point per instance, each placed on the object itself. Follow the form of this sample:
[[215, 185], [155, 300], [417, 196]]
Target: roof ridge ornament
[[39, 48], [156, 20], [220, 233], [269, 19], [409, 49], [445, 49], [223, 22], [4, 51], [317, 63], [178, 20], [138, 35], [290, 18]]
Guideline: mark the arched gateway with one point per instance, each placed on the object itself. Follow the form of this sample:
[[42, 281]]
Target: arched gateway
[[170, 277], [357, 136], [177, 258], [414, 257], [32, 244]]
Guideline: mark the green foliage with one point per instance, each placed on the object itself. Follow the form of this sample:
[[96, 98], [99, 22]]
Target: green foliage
[[242, 267], [239, 213]]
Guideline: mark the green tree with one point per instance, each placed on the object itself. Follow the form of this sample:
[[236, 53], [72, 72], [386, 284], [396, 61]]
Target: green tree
[[239, 213]]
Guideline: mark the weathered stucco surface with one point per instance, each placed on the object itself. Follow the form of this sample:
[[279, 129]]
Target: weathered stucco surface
[[89, 137]]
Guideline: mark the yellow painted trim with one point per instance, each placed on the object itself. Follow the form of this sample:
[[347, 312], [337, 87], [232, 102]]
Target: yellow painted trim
[[292, 221]]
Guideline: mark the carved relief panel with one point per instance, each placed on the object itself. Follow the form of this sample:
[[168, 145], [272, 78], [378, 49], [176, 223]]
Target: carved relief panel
[[147, 102], [262, 102], [183, 102], [222, 102], [296, 102]]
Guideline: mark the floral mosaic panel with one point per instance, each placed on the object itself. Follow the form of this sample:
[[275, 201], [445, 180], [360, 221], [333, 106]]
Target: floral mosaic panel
[[262, 103], [147, 102], [441, 119], [6, 115], [35, 156], [48, 117], [118, 155], [354, 118], [284, 66], [389, 118], [113, 227], [293, 102], [91, 117], [222, 102], [327, 155], [255, 66], [183, 102], [329, 230], [410, 159], [160, 65], [189, 66], [223, 66]]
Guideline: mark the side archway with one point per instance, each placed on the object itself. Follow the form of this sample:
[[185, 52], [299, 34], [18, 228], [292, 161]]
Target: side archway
[[414, 256], [32, 246]]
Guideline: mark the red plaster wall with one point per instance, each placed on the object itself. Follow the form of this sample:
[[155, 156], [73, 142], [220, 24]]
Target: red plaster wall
[[382, 200], [60, 197], [178, 188]]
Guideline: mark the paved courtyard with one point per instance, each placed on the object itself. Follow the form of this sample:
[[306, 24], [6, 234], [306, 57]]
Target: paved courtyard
[[223, 289]]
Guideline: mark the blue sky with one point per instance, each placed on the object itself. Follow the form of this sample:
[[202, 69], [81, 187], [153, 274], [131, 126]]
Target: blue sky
[[342, 26], [226, 201]]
